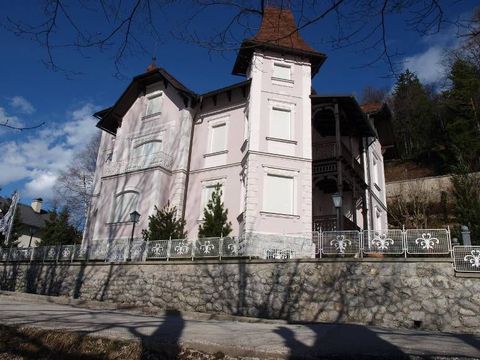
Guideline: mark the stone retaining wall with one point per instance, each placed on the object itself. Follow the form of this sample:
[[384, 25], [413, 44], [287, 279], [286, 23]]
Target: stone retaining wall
[[403, 293]]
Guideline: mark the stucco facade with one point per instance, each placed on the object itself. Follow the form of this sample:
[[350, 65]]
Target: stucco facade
[[259, 139]]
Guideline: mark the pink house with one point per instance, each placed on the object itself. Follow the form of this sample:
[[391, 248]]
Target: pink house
[[277, 148]]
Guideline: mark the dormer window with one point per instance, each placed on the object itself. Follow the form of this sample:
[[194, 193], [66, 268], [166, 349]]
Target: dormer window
[[154, 104], [282, 71]]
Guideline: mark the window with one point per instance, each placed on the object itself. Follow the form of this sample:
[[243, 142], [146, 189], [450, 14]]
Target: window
[[279, 194], [207, 194], [282, 71], [246, 128], [143, 154], [147, 148], [280, 126], [218, 138], [154, 104], [124, 204], [378, 219], [375, 171]]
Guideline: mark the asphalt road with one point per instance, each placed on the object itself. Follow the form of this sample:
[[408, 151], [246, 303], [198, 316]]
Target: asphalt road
[[234, 338]]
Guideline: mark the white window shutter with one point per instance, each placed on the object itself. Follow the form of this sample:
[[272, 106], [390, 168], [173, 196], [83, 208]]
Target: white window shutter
[[280, 124], [154, 105], [207, 195], [281, 71], [218, 140], [279, 194]]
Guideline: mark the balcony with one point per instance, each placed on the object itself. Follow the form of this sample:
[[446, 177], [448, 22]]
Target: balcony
[[324, 159], [329, 223], [158, 159]]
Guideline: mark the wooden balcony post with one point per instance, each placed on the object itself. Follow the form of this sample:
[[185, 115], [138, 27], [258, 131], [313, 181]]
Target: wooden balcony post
[[338, 154]]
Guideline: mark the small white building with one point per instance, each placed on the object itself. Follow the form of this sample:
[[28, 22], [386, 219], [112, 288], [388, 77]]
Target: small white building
[[278, 150]]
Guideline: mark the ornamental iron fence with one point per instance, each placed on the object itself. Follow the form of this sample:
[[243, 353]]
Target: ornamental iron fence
[[413, 242], [388, 242], [466, 258], [340, 242], [354, 244]]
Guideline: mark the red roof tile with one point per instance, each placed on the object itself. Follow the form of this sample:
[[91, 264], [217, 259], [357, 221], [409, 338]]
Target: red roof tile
[[371, 107], [278, 28], [278, 31]]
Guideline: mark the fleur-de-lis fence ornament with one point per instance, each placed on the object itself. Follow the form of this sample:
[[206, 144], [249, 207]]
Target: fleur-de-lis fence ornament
[[473, 258], [81, 252], [137, 250], [181, 248], [340, 243], [232, 248], [51, 253], [207, 247], [157, 249], [66, 252], [427, 242], [381, 241], [278, 255]]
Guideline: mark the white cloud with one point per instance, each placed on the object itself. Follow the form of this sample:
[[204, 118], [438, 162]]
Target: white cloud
[[41, 184], [39, 158], [22, 105], [429, 65]]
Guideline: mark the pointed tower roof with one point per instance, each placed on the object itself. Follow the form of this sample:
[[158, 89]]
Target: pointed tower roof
[[277, 32]]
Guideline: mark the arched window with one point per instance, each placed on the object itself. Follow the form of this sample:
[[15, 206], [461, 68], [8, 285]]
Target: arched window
[[125, 203], [144, 153]]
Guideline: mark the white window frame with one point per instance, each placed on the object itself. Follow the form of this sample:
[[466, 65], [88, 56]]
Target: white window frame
[[246, 128], [282, 106], [213, 123], [376, 170], [150, 97], [137, 141], [278, 64], [285, 173], [148, 141], [113, 217], [378, 218], [208, 184]]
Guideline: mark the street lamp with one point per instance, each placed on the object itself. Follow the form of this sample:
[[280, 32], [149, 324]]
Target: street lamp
[[134, 217], [337, 202], [31, 231]]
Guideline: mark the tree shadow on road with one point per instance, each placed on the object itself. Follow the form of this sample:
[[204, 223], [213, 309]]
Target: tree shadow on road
[[340, 341]]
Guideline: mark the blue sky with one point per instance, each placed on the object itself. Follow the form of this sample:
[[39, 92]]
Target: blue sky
[[30, 93]]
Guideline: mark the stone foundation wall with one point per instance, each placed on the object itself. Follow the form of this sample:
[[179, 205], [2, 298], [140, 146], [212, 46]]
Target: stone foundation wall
[[387, 293]]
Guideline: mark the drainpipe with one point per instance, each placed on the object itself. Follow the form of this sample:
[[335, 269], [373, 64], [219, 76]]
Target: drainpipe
[[366, 170], [187, 177]]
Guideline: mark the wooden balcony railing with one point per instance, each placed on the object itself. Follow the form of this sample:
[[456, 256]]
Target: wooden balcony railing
[[329, 223], [325, 154]]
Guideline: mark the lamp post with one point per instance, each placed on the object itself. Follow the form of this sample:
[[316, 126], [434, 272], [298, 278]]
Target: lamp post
[[31, 232], [337, 202], [134, 217]]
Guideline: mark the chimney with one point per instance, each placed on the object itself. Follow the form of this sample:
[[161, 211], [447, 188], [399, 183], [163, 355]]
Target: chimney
[[37, 205]]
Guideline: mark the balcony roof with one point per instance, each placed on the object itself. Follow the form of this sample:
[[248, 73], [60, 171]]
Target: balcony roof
[[356, 121]]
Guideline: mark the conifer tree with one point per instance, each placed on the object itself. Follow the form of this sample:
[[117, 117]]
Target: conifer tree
[[215, 217], [461, 114], [58, 230], [165, 224], [413, 116], [466, 191]]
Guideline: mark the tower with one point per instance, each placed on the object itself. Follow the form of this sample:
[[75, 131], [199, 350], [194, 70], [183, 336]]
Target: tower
[[278, 156]]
